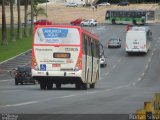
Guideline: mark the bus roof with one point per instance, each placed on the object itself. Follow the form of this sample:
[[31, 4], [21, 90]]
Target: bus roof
[[133, 10], [67, 26]]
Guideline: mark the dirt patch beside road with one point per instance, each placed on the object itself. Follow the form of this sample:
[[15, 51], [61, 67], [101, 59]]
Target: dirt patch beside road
[[58, 13]]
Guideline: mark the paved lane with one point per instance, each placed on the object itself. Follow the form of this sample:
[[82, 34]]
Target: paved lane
[[125, 84]]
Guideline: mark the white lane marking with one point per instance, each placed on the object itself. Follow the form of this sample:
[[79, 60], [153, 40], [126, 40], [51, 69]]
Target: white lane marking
[[119, 60], [60, 97], [146, 67], [19, 104], [133, 84], [142, 74], [6, 80], [139, 79], [114, 66], [149, 60], [127, 85], [107, 73]]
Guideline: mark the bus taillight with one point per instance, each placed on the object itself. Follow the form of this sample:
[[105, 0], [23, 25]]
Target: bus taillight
[[78, 64]]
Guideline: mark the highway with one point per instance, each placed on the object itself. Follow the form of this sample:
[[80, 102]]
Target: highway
[[125, 84]]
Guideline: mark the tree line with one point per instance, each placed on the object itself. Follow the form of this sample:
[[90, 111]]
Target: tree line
[[33, 12]]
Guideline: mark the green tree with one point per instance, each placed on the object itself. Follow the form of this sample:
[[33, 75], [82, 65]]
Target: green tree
[[32, 17], [4, 39], [25, 18], [38, 11], [11, 21], [19, 33]]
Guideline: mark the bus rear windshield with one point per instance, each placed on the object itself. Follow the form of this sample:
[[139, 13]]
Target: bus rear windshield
[[57, 36]]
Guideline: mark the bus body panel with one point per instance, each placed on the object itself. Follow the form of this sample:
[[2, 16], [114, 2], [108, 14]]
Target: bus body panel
[[58, 56]]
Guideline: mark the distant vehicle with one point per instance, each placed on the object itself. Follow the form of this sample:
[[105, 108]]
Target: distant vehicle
[[65, 54], [22, 75], [29, 22], [123, 4], [104, 4], [126, 17], [103, 61], [114, 42], [43, 22], [89, 22], [128, 27], [77, 21], [138, 40], [72, 4]]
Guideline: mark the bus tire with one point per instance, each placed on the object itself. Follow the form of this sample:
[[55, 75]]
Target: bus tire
[[142, 22], [78, 86], [43, 84], [16, 82], [113, 21], [49, 85], [92, 85], [58, 85], [84, 86], [134, 22]]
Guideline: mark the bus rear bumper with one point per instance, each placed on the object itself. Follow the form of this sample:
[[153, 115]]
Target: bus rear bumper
[[56, 73]]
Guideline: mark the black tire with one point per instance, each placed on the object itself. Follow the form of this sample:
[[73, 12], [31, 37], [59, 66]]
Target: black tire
[[92, 85], [134, 22], [113, 21], [16, 82], [58, 85], [92, 24], [78, 86], [49, 85], [82, 24], [84, 86], [43, 84]]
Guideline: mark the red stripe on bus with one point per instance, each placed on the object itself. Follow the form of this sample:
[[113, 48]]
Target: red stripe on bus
[[55, 45]]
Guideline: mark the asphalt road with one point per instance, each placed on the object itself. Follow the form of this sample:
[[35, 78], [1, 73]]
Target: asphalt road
[[125, 84]]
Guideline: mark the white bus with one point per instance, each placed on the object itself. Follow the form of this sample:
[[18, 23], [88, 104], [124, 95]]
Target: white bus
[[64, 54], [138, 40]]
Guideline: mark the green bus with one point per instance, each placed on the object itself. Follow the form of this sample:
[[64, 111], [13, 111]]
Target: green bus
[[126, 17]]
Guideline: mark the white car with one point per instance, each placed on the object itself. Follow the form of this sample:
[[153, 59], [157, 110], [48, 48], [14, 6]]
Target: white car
[[103, 61], [29, 22], [89, 22], [71, 5], [104, 4]]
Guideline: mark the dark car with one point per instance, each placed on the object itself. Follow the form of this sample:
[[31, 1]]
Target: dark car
[[77, 21], [114, 42], [43, 22], [22, 75], [123, 3]]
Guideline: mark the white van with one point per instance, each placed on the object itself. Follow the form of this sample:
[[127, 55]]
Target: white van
[[138, 40]]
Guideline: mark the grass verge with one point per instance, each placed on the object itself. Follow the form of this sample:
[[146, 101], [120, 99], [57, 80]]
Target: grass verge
[[14, 48]]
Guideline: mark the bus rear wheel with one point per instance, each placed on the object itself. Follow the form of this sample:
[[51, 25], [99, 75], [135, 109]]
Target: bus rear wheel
[[84, 86], [134, 22], [49, 85], [43, 84], [113, 21], [78, 86], [92, 85], [58, 85]]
